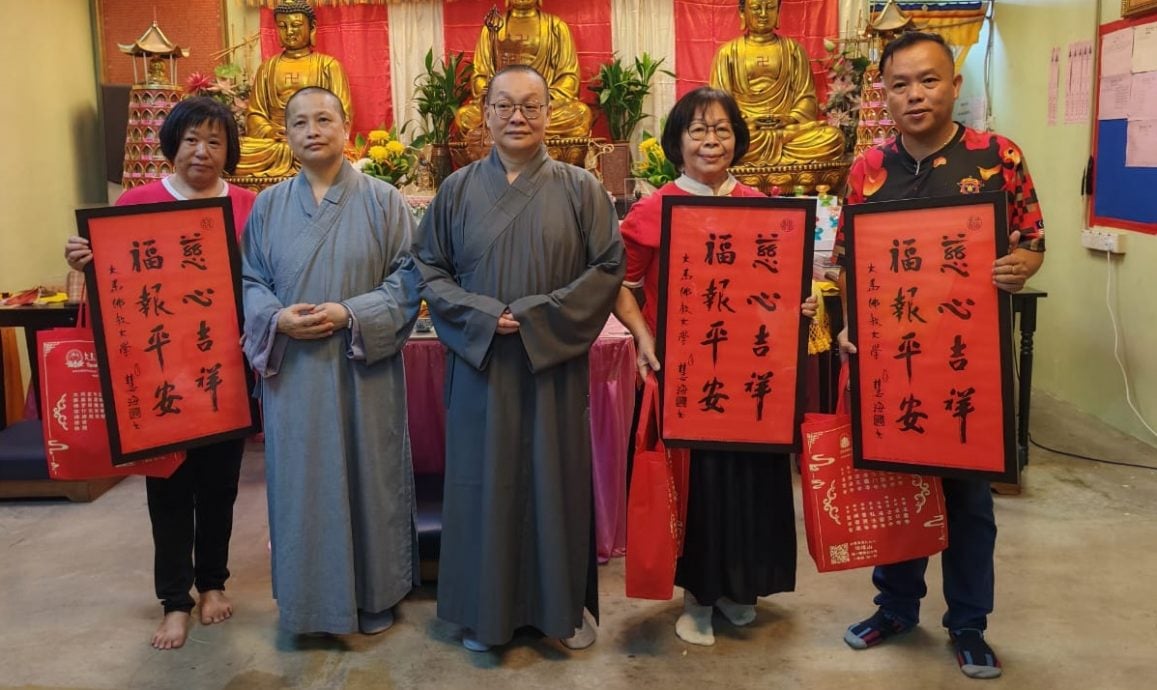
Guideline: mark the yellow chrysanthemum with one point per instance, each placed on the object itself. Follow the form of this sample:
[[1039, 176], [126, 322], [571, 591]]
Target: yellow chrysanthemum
[[379, 154], [379, 136], [396, 148], [646, 145]]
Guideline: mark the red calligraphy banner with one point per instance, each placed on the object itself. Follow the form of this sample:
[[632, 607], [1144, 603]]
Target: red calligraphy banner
[[932, 380], [164, 285], [733, 272]]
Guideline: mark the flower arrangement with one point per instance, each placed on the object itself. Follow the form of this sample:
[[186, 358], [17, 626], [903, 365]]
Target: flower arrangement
[[653, 166], [845, 75], [385, 157], [229, 85]]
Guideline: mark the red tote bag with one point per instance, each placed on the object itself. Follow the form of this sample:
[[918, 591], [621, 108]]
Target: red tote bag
[[857, 518], [72, 410], [656, 506]]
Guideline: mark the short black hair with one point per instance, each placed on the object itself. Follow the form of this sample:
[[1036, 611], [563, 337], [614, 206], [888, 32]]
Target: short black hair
[[196, 111], [693, 103], [911, 38], [525, 69], [322, 90]]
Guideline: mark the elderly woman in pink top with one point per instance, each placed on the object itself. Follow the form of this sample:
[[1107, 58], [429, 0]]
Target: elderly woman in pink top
[[191, 511]]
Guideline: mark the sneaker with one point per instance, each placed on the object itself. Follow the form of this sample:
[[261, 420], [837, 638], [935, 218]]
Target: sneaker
[[976, 658], [874, 630]]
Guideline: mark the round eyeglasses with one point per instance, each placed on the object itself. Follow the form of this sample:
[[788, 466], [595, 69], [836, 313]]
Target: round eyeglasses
[[505, 111], [698, 131]]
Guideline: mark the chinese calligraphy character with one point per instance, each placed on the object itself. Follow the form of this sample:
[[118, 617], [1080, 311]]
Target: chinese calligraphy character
[[911, 260], [151, 260], [191, 247], [166, 399], [909, 348], [210, 380], [957, 360], [153, 302], [954, 255], [910, 419], [902, 304], [713, 296], [201, 297], [759, 387], [715, 335], [204, 342], [957, 308], [765, 252], [764, 300], [712, 398], [158, 339], [761, 347], [723, 254], [959, 403]]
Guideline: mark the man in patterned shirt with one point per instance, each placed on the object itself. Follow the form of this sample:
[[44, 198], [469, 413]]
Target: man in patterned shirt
[[935, 156]]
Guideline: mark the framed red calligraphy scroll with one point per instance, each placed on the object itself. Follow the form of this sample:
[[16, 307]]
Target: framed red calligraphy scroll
[[733, 272], [164, 288], [932, 380]]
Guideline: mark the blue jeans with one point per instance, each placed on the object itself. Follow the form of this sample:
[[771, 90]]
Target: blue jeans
[[967, 563]]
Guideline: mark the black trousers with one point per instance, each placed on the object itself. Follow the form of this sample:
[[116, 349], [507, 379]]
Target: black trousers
[[192, 516]]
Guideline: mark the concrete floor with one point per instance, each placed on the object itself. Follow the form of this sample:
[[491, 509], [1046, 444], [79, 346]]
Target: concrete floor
[[1073, 609]]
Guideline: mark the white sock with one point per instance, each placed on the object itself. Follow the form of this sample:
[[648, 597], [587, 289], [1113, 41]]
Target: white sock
[[739, 614], [694, 624], [584, 635], [469, 641]]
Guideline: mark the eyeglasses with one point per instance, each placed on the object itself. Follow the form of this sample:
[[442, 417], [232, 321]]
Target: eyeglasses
[[698, 131], [531, 111]]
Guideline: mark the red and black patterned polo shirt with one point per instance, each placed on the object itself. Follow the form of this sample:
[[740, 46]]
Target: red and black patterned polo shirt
[[970, 163]]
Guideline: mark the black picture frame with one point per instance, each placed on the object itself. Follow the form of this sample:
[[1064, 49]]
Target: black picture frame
[[996, 204]]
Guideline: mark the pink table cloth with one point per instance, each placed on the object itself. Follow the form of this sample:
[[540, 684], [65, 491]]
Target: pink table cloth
[[612, 389]]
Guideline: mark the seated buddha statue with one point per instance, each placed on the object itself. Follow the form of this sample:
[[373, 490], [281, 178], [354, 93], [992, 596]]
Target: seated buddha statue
[[264, 149], [528, 36], [771, 80]]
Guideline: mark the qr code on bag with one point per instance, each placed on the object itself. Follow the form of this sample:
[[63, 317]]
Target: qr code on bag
[[838, 554]]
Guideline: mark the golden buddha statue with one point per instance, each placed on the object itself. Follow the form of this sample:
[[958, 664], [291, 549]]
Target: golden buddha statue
[[264, 150], [771, 80], [528, 36]]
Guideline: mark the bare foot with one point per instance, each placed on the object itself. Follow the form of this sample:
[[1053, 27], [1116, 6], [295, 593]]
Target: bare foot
[[173, 631], [215, 607]]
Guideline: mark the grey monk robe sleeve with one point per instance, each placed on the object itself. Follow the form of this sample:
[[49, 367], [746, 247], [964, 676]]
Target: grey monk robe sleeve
[[563, 324], [465, 321], [385, 315], [264, 346]]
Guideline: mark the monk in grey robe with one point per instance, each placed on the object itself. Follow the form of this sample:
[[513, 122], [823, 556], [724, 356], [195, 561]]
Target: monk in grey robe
[[521, 261], [330, 294]]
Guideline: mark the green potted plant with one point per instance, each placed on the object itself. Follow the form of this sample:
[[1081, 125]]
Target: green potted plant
[[439, 92], [620, 89]]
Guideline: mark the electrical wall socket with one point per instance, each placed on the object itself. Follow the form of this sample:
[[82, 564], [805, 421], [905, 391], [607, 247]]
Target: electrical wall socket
[[1103, 241]]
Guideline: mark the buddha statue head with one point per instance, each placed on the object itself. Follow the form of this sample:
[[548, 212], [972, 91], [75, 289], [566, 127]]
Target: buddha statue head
[[296, 25], [759, 17]]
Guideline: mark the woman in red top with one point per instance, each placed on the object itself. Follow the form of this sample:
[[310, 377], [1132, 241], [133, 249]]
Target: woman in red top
[[740, 530], [191, 511]]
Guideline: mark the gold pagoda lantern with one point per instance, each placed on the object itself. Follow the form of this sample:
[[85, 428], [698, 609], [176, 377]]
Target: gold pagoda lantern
[[875, 124], [153, 95]]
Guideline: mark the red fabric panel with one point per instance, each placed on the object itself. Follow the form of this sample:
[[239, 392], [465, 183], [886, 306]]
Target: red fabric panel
[[701, 26], [590, 27], [359, 37]]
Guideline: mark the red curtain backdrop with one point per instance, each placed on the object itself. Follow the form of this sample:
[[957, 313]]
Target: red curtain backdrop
[[359, 37], [590, 26], [701, 26]]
